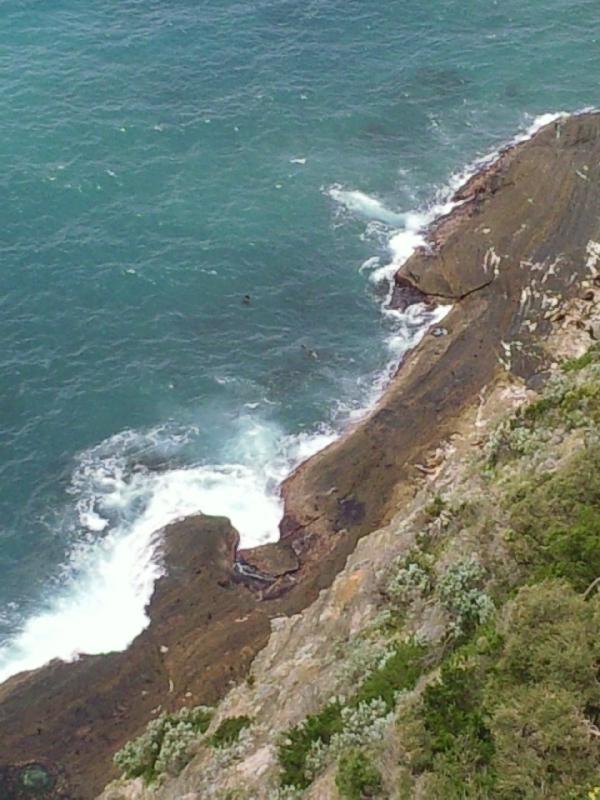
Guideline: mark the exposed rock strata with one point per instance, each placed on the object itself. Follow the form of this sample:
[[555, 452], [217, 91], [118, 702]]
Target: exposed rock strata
[[517, 246], [521, 243]]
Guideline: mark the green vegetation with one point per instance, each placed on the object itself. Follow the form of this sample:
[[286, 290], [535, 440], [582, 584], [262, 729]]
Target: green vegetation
[[297, 742], [399, 671], [435, 508], [485, 698], [556, 521], [165, 745], [229, 731], [461, 593], [412, 577], [357, 778], [577, 364], [515, 716], [569, 401]]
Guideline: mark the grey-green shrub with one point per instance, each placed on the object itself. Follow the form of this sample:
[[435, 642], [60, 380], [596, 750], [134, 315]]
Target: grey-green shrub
[[165, 745], [460, 592]]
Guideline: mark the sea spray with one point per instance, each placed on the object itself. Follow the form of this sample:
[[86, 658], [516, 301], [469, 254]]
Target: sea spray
[[125, 493]]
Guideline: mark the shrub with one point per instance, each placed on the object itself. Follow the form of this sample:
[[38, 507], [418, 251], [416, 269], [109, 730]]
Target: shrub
[[453, 715], [294, 748], [357, 778], [435, 508], [468, 604], [550, 639], [398, 671], [229, 731], [411, 578], [556, 520], [365, 724], [569, 400], [164, 747], [543, 745], [577, 364]]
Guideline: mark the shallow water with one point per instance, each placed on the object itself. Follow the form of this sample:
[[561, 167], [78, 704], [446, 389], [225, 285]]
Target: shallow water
[[159, 162]]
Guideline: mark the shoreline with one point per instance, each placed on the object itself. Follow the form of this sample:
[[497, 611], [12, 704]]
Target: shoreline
[[349, 488], [401, 294]]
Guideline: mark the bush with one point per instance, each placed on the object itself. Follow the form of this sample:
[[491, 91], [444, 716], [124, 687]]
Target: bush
[[577, 364], [570, 400], [551, 634], [229, 731], [164, 747], [468, 604], [556, 520], [298, 741], [357, 778], [453, 714], [543, 745], [398, 671], [411, 578]]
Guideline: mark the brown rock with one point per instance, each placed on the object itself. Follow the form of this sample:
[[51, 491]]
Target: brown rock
[[273, 559]]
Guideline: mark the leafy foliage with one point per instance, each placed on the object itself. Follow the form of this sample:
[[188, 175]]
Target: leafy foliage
[[164, 747], [577, 364], [514, 717], [357, 778], [296, 745], [557, 522], [462, 596], [229, 731]]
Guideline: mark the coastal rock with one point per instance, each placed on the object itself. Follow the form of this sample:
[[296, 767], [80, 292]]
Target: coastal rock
[[73, 717], [275, 559], [519, 241], [406, 294]]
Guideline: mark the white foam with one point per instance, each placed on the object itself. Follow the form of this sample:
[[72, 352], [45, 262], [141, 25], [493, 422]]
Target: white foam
[[101, 605], [365, 205], [411, 233]]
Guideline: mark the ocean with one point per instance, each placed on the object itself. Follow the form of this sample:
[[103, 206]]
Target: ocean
[[202, 204]]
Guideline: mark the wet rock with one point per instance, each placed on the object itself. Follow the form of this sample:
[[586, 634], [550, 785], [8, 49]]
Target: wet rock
[[406, 294], [273, 559]]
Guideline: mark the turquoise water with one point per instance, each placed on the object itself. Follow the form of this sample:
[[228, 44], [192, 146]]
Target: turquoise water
[[160, 161]]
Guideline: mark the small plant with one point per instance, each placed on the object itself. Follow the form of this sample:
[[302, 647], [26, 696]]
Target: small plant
[[229, 731], [357, 778], [165, 745], [577, 364], [462, 596], [362, 725], [296, 744], [435, 508], [412, 578]]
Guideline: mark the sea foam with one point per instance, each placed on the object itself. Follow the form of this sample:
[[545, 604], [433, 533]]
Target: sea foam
[[124, 493]]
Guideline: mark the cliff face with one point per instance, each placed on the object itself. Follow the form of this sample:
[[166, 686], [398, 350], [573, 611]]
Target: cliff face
[[516, 260], [456, 653]]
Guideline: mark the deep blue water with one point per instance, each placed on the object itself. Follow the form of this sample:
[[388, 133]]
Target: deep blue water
[[159, 161]]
